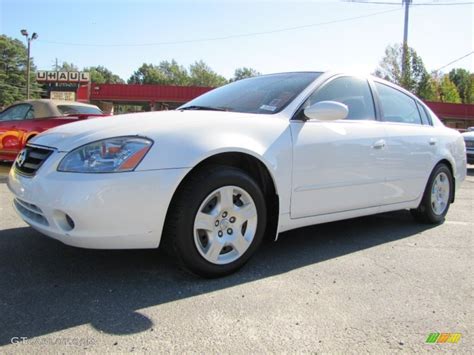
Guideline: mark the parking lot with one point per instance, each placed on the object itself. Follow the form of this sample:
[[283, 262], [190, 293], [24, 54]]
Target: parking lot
[[374, 284]]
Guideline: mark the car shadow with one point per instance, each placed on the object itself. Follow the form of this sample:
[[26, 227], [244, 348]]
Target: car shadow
[[46, 286]]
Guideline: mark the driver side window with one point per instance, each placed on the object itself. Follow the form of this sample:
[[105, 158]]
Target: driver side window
[[350, 91], [15, 113]]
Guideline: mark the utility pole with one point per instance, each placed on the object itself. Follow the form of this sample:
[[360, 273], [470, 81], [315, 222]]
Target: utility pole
[[29, 40], [405, 37]]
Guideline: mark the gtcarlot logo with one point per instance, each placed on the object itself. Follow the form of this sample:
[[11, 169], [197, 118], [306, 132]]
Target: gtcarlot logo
[[52, 341], [440, 338]]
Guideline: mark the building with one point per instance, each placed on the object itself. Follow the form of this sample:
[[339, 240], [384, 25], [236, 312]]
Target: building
[[459, 116], [153, 97]]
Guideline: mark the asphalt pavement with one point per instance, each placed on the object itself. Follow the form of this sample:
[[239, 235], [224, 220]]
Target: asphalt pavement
[[377, 284]]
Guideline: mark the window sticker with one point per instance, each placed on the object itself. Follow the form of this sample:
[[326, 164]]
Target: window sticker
[[268, 108]]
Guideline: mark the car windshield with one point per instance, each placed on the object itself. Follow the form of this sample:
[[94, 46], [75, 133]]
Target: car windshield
[[78, 110], [265, 94]]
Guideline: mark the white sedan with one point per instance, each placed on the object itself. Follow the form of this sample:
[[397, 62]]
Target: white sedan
[[258, 156]]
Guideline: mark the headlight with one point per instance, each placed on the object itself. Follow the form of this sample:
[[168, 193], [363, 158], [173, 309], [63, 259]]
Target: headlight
[[106, 156]]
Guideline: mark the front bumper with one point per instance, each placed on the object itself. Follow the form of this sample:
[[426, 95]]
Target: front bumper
[[108, 211], [470, 156]]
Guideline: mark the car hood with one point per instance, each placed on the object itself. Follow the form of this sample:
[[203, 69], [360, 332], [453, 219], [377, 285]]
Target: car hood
[[150, 124]]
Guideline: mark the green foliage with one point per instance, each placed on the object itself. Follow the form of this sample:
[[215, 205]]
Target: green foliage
[[202, 75], [171, 73], [65, 66], [415, 77], [146, 74], [13, 59], [456, 87], [102, 75], [244, 73], [165, 73], [428, 88], [464, 83], [448, 91]]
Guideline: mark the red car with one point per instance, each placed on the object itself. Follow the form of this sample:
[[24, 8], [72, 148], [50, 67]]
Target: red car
[[22, 121]]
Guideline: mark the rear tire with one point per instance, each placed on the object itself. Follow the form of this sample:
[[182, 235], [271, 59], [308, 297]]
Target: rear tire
[[437, 197], [216, 221]]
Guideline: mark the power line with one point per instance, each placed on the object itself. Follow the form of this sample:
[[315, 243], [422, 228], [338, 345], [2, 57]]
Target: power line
[[347, 19], [456, 60], [443, 4], [411, 4], [372, 2]]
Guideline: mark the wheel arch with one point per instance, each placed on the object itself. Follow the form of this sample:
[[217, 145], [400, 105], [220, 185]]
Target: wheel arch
[[256, 167], [27, 137]]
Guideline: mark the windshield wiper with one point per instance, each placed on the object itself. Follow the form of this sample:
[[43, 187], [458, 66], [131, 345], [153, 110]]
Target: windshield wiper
[[204, 108]]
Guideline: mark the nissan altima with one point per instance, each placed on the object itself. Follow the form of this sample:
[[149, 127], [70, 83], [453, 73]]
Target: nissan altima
[[256, 157]]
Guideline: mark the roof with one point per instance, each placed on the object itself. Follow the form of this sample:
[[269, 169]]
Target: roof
[[48, 108], [56, 102]]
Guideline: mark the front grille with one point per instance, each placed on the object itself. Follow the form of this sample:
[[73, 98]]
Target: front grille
[[470, 144], [30, 211], [30, 159]]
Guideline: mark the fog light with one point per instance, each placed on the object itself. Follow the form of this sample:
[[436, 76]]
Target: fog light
[[69, 221], [64, 221]]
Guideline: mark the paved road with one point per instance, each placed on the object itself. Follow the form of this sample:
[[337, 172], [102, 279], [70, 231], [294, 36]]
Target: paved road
[[4, 168], [379, 284]]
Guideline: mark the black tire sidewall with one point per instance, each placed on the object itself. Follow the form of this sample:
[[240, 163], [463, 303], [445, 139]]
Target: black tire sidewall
[[425, 207], [197, 191]]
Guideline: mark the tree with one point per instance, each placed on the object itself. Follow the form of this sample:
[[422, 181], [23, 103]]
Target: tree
[[146, 74], [448, 91], [171, 73], [165, 73], [65, 66], [13, 60], [428, 88], [174, 73], [415, 77], [243, 73], [464, 84], [102, 75], [202, 75]]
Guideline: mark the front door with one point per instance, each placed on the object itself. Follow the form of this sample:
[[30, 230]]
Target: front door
[[338, 165]]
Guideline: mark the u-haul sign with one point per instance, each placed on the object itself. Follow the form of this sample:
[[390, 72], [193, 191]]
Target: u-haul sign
[[62, 76]]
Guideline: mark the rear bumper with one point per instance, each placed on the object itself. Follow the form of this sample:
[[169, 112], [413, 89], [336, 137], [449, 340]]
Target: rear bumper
[[108, 211]]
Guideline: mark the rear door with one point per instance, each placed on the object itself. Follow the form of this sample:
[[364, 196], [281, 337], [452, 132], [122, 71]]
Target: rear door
[[411, 144], [337, 165]]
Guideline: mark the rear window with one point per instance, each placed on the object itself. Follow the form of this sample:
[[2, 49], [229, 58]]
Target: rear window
[[78, 110]]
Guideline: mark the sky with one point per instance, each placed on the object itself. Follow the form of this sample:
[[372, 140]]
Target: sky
[[270, 36]]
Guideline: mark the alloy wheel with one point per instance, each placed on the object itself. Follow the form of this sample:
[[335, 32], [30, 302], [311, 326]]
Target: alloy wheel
[[225, 225]]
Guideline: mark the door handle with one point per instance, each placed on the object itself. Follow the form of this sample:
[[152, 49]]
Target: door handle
[[433, 141], [379, 144]]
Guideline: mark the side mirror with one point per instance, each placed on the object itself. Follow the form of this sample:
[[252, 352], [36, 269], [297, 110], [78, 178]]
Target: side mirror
[[326, 111]]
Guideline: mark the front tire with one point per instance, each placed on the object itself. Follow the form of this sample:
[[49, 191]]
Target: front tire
[[216, 221], [437, 197]]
